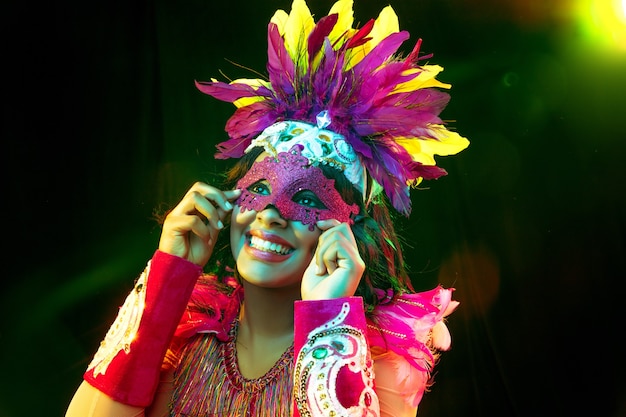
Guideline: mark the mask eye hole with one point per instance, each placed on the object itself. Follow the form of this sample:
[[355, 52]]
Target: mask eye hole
[[261, 187], [308, 198]]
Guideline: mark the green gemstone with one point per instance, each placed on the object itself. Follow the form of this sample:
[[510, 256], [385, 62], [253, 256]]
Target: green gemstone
[[320, 353]]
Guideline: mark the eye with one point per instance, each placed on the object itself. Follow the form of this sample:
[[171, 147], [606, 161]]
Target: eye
[[308, 198], [260, 187]]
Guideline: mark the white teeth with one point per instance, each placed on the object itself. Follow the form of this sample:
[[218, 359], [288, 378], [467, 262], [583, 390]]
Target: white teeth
[[264, 245]]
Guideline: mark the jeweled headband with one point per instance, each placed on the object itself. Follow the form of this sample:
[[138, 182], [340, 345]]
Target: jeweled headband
[[320, 146], [376, 104]]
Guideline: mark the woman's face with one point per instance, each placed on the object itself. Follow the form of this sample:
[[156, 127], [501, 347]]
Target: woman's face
[[271, 251], [273, 232]]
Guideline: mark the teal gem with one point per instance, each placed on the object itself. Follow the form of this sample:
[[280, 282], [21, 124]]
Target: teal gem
[[320, 353]]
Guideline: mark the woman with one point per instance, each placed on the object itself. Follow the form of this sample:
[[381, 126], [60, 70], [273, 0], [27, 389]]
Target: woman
[[306, 308]]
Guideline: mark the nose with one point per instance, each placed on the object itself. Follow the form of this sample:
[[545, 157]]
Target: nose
[[271, 216]]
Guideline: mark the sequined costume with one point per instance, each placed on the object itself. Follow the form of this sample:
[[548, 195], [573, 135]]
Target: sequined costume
[[332, 339]]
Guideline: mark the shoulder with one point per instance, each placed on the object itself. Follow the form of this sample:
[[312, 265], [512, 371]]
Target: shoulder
[[405, 333], [412, 325]]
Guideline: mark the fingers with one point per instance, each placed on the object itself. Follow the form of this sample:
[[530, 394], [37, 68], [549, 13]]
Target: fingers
[[211, 203], [190, 230], [337, 267], [336, 248], [324, 225]]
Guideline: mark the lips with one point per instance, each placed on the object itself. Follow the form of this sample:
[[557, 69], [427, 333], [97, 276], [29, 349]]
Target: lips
[[269, 244], [266, 246]]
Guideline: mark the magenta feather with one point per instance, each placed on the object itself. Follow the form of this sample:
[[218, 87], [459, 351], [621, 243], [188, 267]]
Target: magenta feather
[[413, 57], [244, 125], [381, 53], [319, 33], [428, 172], [360, 37], [280, 66], [226, 92], [387, 78]]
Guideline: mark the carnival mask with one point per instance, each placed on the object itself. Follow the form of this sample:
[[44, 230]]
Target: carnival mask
[[298, 190]]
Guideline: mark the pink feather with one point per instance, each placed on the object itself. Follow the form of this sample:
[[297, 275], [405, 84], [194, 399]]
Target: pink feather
[[280, 66], [226, 92]]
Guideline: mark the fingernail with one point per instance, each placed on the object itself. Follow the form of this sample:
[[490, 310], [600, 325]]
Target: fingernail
[[220, 224], [228, 205]]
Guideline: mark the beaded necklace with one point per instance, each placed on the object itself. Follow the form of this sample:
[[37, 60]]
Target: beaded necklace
[[208, 382]]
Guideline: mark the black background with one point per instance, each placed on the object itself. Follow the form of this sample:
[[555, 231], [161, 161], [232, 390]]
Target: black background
[[102, 125]]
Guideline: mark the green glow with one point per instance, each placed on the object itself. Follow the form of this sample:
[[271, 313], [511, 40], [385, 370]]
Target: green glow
[[604, 22]]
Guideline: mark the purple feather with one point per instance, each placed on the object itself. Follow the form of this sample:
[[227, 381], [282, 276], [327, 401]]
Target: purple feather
[[395, 121], [426, 99], [395, 189], [327, 77]]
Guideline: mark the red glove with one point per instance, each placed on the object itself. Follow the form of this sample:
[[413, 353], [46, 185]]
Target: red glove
[[128, 362]]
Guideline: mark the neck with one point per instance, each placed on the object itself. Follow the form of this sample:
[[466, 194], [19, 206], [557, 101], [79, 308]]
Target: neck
[[268, 312], [265, 328]]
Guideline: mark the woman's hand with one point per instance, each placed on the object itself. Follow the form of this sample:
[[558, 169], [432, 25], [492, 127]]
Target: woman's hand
[[190, 230], [336, 267]]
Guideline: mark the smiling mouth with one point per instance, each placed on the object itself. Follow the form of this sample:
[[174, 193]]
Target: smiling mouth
[[266, 246]]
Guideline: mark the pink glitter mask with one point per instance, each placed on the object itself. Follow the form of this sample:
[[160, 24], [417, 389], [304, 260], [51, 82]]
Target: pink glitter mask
[[298, 191]]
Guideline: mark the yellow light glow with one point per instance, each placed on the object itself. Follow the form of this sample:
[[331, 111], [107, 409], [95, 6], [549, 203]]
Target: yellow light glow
[[604, 22]]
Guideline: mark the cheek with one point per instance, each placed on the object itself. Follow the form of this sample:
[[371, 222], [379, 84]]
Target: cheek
[[238, 222], [239, 218], [308, 239]]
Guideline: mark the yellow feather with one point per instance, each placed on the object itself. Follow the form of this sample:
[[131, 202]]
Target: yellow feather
[[246, 101], [355, 55], [414, 183], [345, 19], [414, 147], [386, 24], [425, 79], [298, 26], [253, 82], [448, 143], [424, 149], [280, 19]]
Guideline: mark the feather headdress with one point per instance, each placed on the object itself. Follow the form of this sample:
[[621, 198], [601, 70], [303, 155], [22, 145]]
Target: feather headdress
[[385, 106]]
